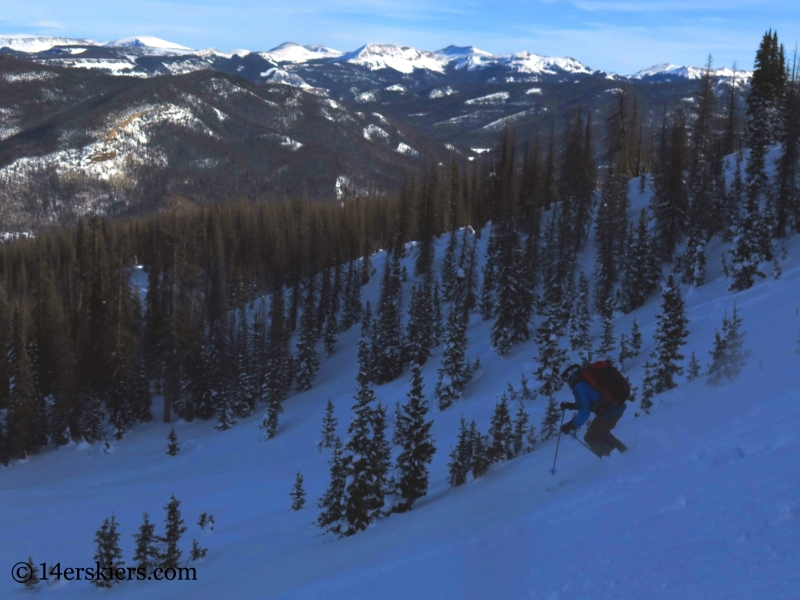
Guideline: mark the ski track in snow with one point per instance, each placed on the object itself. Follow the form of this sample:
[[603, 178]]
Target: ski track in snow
[[706, 503]]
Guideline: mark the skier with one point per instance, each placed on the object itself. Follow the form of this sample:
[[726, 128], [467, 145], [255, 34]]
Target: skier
[[589, 400]]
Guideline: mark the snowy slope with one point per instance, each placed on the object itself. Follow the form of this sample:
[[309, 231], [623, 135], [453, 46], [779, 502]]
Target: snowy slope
[[145, 41], [705, 505]]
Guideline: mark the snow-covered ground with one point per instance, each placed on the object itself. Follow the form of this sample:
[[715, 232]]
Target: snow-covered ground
[[706, 504]]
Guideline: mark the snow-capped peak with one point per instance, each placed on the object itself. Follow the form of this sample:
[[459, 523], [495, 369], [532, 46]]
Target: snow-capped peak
[[146, 41], [39, 43], [388, 56], [295, 53], [664, 70]]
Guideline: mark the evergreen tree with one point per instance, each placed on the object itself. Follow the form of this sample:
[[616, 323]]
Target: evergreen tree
[[670, 337], [436, 316], [419, 331], [649, 383], [277, 380], [174, 528], [197, 553], [146, 555], [328, 435], [33, 580], [525, 393], [639, 278], [552, 416], [367, 462], [521, 429], [455, 372], [513, 305], [580, 320], [501, 433], [460, 457], [366, 356], [298, 494], [670, 201], [24, 431], [551, 355], [480, 452], [108, 553], [694, 367], [307, 361], [332, 502], [607, 341], [351, 308], [727, 356], [92, 416], [610, 234], [412, 434], [787, 178], [450, 267], [173, 447], [387, 340]]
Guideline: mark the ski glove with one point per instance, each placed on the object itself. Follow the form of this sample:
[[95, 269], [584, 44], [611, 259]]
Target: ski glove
[[566, 428], [569, 406]]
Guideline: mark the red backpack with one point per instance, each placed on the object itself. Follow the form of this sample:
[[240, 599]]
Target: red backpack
[[607, 380]]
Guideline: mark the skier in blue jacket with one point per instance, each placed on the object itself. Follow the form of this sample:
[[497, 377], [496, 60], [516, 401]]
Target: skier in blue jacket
[[588, 400]]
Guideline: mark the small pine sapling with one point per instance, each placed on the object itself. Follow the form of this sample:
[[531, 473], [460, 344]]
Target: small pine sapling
[[33, 572], [525, 392], [648, 387], [480, 452], [146, 553], [197, 553], [727, 356], [520, 429], [531, 439], [329, 424], [173, 530], [693, 367], [108, 552], [173, 447], [460, 457], [298, 494], [206, 519]]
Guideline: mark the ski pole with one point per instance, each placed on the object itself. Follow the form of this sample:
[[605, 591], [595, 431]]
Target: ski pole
[[585, 445], [558, 442]]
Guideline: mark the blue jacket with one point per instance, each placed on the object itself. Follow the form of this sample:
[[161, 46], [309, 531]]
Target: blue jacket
[[586, 397]]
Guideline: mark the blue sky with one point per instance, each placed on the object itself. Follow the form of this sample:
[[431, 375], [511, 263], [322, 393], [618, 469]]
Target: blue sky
[[615, 35]]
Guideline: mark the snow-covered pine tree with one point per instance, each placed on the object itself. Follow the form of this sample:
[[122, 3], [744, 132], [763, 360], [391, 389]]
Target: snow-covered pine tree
[[727, 356], [174, 528], [636, 339], [226, 417], [450, 267], [328, 435], [412, 434], [501, 433], [146, 553], [670, 337], [648, 385], [173, 447], [91, 415], [693, 261], [298, 494], [330, 520], [387, 337], [608, 342], [108, 552], [530, 439], [513, 305], [419, 331], [367, 461], [639, 278], [307, 360], [436, 316], [480, 452], [366, 355], [520, 429], [525, 393], [552, 356], [455, 372], [460, 457], [490, 269], [693, 367], [351, 308], [552, 417], [624, 349], [331, 323], [580, 321], [278, 376]]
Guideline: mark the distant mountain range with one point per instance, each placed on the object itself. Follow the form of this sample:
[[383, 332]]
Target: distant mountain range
[[127, 124], [403, 59]]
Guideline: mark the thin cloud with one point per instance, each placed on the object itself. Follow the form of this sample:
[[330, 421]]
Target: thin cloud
[[48, 25]]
